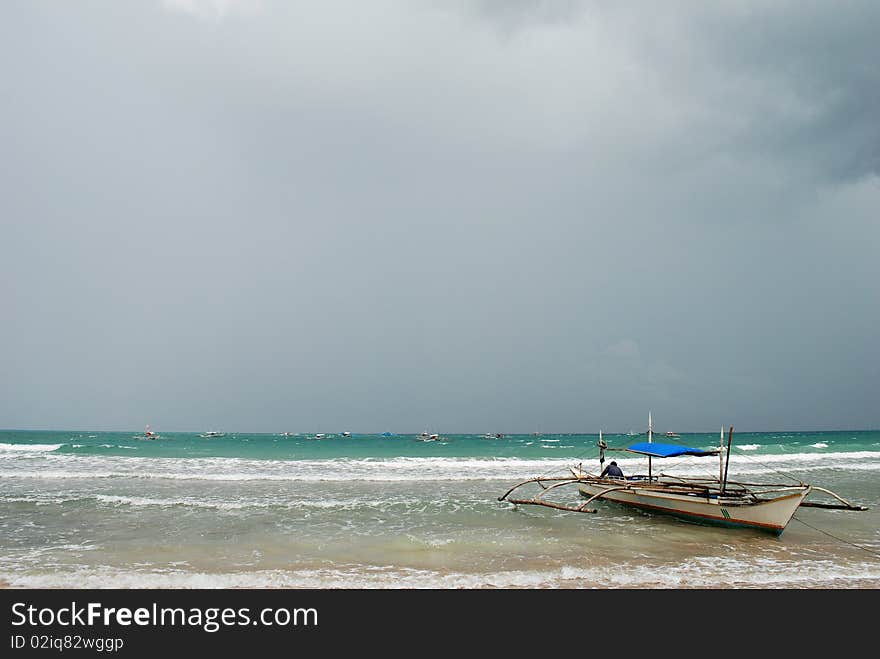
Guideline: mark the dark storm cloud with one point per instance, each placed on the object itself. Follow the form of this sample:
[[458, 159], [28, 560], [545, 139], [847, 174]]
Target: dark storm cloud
[[474, 216], [792, 80], [810, 67]]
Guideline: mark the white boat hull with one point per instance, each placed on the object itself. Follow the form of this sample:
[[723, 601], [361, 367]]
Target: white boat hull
[[770, 515]]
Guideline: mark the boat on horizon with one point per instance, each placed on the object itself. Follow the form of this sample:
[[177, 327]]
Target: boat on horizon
[[212, 433], [717, 501]]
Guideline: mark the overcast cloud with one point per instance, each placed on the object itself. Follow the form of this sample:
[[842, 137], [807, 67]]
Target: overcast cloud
[[461, 216]]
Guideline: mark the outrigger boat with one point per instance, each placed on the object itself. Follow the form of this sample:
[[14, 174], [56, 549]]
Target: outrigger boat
[[722, 502]]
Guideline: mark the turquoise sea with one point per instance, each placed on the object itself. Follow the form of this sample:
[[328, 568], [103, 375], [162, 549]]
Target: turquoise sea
[[114, 510]]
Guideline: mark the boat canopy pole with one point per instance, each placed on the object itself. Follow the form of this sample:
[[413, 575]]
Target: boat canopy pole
[[727, 460]]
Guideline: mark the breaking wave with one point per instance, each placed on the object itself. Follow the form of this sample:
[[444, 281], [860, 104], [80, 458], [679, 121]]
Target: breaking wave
[[69, 466]]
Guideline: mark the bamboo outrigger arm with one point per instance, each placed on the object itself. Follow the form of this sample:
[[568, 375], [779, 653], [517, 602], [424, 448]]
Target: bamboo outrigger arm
[[550, 504], [599, 495], [539, 480], [843, 505], [537, 501]]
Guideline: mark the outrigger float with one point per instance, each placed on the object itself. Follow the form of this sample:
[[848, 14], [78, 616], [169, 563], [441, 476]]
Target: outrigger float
[[721, 502]]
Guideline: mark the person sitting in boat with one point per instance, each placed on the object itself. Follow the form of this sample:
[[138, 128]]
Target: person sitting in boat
[[612, 471]]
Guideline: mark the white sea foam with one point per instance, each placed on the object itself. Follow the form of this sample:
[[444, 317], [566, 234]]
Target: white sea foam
[[391, 503], [698, 572], [243, 504], [38, 553], [29, 448], [116, 500], [39, 499], [61, 466], [748, 447], [819, 445]]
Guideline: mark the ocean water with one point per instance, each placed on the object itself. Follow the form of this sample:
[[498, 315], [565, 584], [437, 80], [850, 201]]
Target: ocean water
[[113, 510]]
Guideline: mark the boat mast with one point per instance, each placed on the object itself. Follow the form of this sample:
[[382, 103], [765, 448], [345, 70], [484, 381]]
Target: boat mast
[[650, 441], [721, 456], [726, 461]]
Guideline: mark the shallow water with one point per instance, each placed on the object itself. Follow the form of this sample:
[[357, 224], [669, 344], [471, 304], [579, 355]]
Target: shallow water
[[110, 510]]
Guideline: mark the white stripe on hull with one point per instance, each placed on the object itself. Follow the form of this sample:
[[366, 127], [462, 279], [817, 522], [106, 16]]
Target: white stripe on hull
[[773, 514]]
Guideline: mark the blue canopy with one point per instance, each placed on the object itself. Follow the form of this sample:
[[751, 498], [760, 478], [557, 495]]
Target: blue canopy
[[666, 450]]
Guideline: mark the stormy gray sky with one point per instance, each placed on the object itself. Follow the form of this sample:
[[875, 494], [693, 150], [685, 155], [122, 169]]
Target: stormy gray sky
[[455, 215]]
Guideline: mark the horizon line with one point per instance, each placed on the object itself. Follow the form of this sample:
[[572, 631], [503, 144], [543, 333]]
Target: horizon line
[[544, 432]]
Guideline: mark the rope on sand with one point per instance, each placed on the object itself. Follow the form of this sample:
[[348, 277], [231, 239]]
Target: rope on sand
[[846, 542]]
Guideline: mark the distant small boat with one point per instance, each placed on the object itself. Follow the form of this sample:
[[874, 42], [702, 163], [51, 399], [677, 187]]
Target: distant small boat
[[346, 434], [387, 434], [669, 433], [149, 434], [212, 433], [425, 437]]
